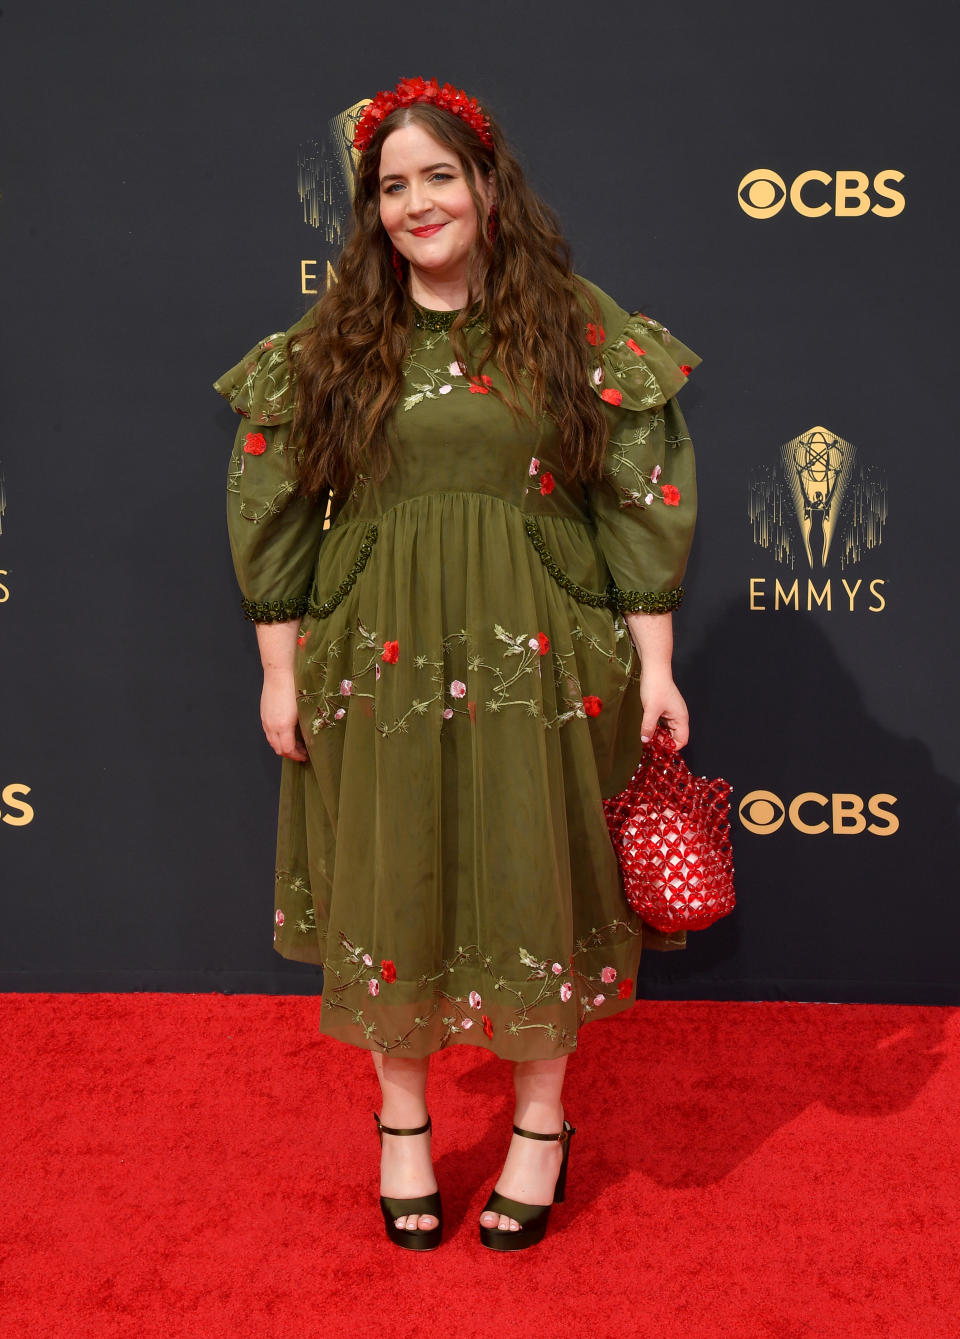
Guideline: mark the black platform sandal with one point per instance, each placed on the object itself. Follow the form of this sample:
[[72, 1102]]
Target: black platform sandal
[[412, 1239], [532, 1218]]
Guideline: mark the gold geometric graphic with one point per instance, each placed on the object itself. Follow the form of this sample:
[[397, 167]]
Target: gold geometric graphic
[[821, 499], [326, 169]]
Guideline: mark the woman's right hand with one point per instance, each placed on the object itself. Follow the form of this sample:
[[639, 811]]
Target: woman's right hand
[[278, 715]]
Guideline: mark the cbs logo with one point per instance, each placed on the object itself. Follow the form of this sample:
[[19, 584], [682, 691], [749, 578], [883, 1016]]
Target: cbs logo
[[811, 813], [13, 805], [763, 193]]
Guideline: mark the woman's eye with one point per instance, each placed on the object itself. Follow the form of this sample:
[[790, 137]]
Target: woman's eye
[[392, 188], [441, 176]]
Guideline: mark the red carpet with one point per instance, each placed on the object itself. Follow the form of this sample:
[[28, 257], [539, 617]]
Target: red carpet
[[204, 1166]]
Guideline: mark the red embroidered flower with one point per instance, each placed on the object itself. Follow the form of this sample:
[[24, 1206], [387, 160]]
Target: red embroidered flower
[[472, 712], [254, 443], [487, 1026], [625, 989], [391, 652], [388, 970], [592, 705], [544, 641], [686, 369], [546, 482], [611, 396], [268, 343], [480, 385], [302, 639], [632, 344], [671, 495], [595, 333]]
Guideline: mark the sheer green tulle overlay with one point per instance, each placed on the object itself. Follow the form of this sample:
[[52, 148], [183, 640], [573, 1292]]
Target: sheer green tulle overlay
[[468, 691]]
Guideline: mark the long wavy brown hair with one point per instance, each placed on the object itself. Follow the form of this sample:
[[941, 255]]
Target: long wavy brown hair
[[348, 365]]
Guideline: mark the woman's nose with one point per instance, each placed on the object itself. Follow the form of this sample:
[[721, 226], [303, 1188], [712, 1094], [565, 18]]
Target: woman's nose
[[418, 199]]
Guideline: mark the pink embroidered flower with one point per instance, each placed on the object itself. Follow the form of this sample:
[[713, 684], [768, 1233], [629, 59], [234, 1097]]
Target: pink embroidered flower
[[455, 370], [279, 918], [625, 988], [597, 376], [447, 713], [595, 333], [608, 974], [566, 990], [487, 1026], [655, 473], [635, 347], [534, 465], [475, 999], [556, 969], [598, 1000], [648, 499], [339, 714], [592, 705], [546, 483], [346, 687], [670, 495], [686, 369], [544, 642], [458, 688], [611, 396], [533, 644], [391, 653], [367, 960], [373, 986], [254, 443], [466, 1023], [444, 390], [377, 669], [387, 970]]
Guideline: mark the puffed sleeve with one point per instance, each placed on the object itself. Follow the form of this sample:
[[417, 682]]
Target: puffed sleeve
[[274, 533], [645, 506]]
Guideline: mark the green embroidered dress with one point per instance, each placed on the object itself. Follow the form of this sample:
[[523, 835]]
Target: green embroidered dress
[[468, 691]]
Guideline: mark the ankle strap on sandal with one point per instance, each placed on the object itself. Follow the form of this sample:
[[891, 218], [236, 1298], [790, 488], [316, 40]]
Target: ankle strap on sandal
[[390, 1129], [565, 1133]]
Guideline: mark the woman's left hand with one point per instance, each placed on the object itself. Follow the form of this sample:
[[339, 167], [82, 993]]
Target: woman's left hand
[[662, 703]]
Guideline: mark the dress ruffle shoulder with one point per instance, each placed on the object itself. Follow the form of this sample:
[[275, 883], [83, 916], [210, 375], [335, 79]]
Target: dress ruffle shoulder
[[642, 365]]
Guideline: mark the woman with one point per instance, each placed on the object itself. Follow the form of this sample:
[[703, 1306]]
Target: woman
[[450, 669]]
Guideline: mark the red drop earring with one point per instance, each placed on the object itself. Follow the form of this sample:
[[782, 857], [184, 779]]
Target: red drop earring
[[493, 224], [397, 265]]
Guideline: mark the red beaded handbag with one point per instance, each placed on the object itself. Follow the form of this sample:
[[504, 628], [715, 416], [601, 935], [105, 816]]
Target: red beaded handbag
[[671, 833]]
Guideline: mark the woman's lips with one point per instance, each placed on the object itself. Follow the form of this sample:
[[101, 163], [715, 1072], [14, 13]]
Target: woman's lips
[[427, 231]]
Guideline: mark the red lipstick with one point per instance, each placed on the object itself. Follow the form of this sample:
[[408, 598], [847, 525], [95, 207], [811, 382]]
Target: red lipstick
[[428, 231]]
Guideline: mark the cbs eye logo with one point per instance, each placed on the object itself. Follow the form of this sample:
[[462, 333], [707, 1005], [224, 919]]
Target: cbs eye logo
[[762, 193], [762, 812]]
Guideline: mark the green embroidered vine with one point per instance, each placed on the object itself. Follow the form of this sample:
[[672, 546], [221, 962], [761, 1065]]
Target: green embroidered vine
[[552, 985], [579, 593], [274, 611], [346, 585]]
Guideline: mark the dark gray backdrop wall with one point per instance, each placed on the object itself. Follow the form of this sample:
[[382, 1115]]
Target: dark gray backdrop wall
[[153, 232]]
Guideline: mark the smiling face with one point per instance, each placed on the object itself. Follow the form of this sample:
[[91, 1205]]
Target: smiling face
[[428, 211]]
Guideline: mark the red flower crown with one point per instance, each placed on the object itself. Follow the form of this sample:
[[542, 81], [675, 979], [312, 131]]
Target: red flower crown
[[421, 90]]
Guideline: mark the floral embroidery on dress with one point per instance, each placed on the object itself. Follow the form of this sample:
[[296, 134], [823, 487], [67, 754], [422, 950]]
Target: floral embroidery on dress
[[544, 985], [513, 682], [430, 384], [640, 489]]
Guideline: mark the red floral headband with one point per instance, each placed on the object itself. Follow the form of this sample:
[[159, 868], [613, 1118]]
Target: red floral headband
[[421, 90]]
